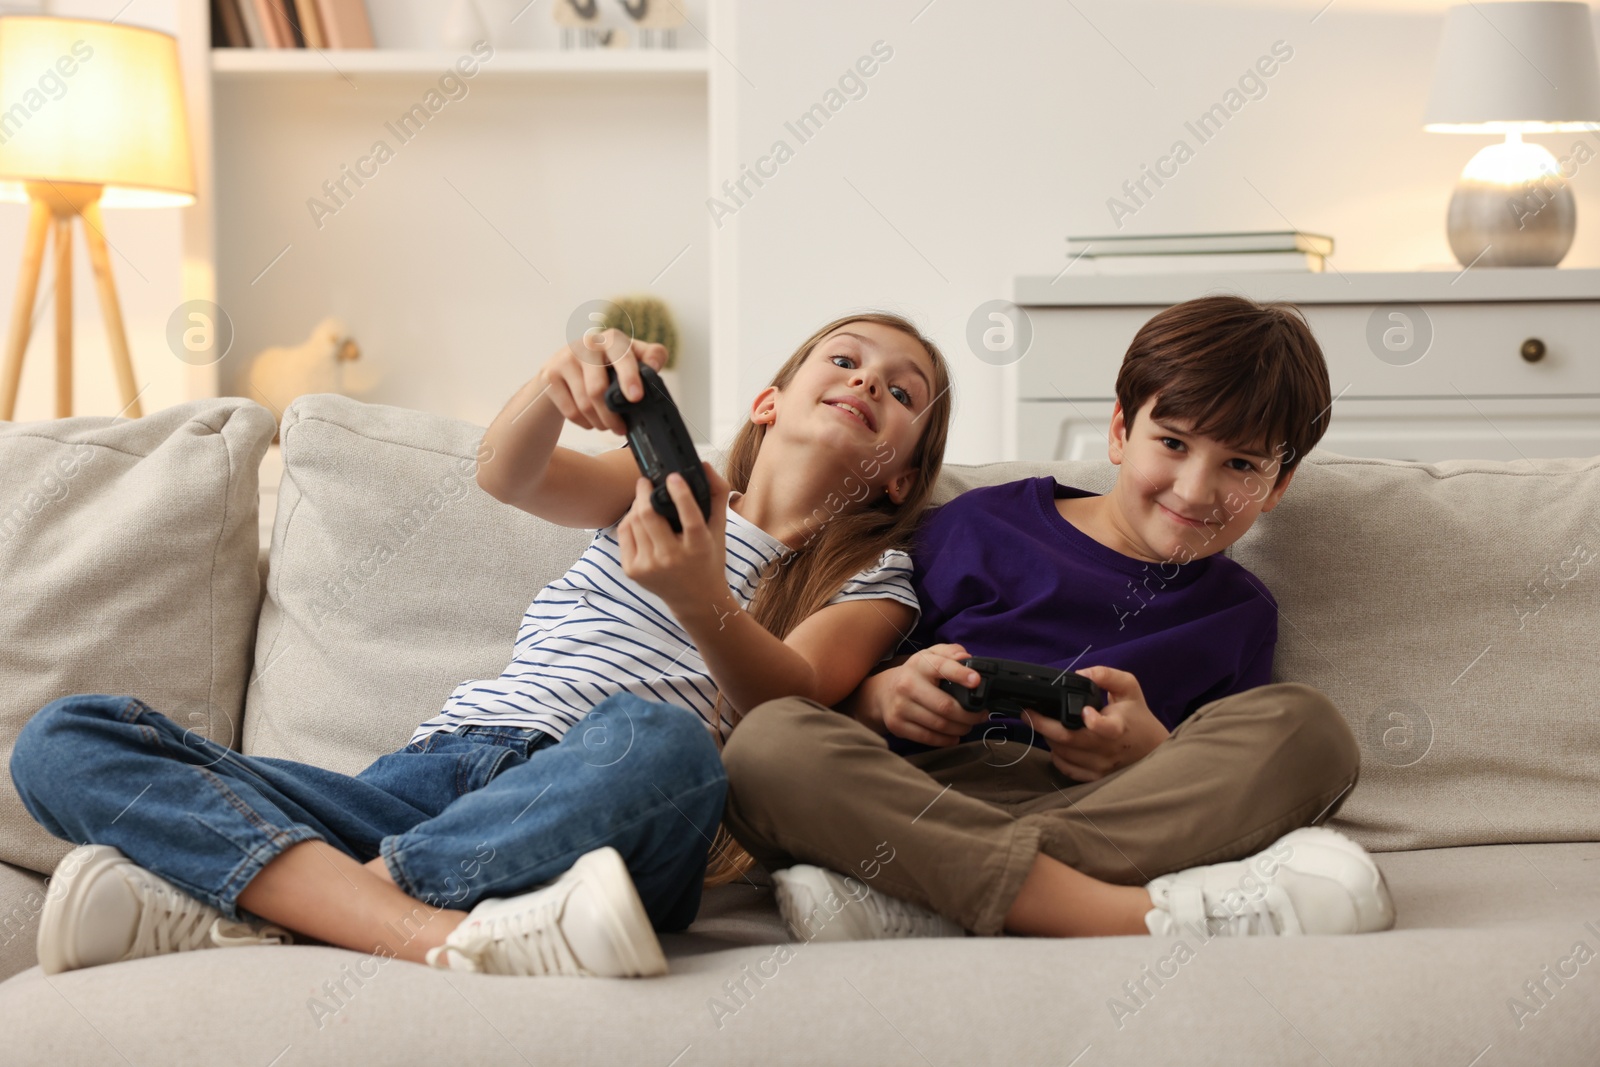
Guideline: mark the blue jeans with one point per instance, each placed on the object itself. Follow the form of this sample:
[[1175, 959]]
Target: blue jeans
[[481, 811]]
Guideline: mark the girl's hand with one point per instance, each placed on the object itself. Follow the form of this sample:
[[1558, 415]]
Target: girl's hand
[[1123, 732], [576, 381], [685, 570], [908, 701]]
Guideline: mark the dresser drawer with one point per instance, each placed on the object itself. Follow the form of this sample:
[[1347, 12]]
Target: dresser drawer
[[1467, 348], [1427, 430]]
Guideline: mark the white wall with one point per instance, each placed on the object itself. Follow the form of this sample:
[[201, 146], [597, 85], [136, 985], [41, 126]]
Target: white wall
[[998, 129], [457, 267]]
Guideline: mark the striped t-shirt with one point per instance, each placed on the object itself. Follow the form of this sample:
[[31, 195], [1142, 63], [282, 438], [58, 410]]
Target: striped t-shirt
[[595, 632]]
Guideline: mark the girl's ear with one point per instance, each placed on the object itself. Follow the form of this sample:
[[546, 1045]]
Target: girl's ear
[[900, 487], [764, 408]]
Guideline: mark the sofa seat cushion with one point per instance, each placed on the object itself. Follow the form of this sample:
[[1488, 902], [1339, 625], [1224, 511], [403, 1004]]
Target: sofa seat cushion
[[128, 562], [1476, 925], [22, 894], [1473, 887]]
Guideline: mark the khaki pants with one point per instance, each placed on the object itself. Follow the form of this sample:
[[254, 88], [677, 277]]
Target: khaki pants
[[957, 829]]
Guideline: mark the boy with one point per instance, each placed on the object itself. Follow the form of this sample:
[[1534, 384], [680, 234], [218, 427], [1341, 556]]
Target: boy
[[1156, 816]]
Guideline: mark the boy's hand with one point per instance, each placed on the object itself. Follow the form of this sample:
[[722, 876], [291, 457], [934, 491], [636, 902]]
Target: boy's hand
[[908, 702], [1123, 732], [575, 380], [686, 570]]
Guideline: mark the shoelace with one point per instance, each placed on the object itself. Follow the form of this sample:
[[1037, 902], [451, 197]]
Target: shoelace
[[1254, 918], [227, 933], [900, 918], [169, 920], [519, 942], [1271, 914]]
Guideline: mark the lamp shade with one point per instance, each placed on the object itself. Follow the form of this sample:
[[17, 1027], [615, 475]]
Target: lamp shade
[[1527, 67], [95, 103]]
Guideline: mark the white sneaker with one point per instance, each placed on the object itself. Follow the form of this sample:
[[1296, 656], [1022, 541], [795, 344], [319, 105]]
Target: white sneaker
[[1310, 881], [590, 922], [100, 907], [823, 905]]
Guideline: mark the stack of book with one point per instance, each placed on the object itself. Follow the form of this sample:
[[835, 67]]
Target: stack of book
[[1277, 250], [290, 24]]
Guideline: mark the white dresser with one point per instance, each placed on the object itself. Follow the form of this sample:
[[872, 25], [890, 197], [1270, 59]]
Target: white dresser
[[1477, 364]]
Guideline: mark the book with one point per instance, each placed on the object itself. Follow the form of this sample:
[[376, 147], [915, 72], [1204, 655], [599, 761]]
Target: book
[[1172, 244], [226, 29], [307, 11], [254, 33], [274, 23], [344, 23], [1202, 263], [297, 35]]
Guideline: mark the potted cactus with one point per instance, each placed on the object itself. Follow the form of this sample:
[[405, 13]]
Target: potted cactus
[[647, 318]]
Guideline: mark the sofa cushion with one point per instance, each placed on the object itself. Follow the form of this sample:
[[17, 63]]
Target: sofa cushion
[[128, 560], [1450, 611], [1475, 926], [391, 579], [22, 894]]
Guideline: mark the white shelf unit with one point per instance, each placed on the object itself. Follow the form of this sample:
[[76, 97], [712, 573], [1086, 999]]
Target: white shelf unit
[[236, 63], [572, 175]]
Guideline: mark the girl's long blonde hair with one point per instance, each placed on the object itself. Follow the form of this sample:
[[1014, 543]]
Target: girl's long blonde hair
[[844, 544]]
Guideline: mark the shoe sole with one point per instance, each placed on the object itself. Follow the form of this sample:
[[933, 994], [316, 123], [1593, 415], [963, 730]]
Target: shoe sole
[[634, 937], [1366, 922], [65, 898]]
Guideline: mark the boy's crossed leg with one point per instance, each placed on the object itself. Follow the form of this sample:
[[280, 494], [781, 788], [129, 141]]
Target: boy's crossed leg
[[996, 839]]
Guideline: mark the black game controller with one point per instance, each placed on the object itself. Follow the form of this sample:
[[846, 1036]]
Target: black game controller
[[1008, 686], [660, 441]]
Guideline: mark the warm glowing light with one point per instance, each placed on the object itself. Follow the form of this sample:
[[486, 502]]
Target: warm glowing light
[[93, 103], [1513, 162]]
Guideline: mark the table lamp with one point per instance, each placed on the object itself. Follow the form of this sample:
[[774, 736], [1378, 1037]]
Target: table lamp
[[94, 115], [1514, 68]]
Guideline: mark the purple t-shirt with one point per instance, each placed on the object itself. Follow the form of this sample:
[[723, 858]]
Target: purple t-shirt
[[1001, 572]]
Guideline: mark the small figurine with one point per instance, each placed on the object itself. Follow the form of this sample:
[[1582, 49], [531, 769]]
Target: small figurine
[[656, 20], [323, 363], [581, 25]]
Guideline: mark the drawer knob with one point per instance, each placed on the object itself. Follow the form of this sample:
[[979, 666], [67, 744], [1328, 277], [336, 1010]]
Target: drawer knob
[[1533, 350]]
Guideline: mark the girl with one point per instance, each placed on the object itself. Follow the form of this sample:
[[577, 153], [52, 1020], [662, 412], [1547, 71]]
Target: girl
[[500, 838]]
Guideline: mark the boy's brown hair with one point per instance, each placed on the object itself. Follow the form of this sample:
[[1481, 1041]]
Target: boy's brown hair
[[1248, 375]]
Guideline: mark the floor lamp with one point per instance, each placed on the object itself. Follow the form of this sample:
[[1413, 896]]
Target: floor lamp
[[95, 118]]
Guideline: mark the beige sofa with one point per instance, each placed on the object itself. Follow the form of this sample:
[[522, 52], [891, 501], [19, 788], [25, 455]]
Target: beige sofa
[[1450, 610]]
